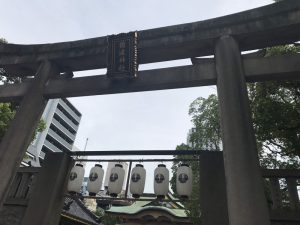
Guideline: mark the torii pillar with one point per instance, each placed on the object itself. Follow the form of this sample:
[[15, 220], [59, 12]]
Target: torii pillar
[[245, 194], [20, 132]]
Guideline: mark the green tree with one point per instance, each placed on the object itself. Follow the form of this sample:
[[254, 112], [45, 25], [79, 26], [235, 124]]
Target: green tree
[[276, 111], [6, 115], [192, 207], [110, 219], [205, 119], [206, 135], [275, 108]]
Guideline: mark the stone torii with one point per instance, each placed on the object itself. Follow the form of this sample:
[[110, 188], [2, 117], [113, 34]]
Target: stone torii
[[225, 38]]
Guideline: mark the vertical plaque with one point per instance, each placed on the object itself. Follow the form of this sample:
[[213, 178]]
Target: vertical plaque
[[122, 55]]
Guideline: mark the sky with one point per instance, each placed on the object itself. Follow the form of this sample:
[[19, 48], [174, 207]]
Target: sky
[[156, 120]]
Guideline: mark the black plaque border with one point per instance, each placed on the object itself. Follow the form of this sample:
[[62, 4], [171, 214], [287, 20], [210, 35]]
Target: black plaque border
[[113, 40]]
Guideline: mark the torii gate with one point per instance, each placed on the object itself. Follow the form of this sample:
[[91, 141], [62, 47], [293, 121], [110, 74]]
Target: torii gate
[[223, 37]]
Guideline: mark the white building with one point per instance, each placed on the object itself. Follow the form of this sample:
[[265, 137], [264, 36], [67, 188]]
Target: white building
[[62, 121], [189, 135]]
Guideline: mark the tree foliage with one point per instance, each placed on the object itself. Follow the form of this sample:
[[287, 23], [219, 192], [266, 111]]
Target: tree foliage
[[193, 207], [107, 219], [6, 115], [275, 108], [205, 119]]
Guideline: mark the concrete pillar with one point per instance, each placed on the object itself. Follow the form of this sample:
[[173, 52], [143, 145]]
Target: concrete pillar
[[21, 130], [275, 193], [213, 201], [293, 192], [47, 198], [247, 204]]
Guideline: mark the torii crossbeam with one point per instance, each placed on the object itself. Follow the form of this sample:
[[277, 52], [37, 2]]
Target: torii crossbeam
[[225, 38]]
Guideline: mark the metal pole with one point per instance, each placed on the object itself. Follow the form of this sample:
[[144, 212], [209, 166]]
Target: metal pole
[[128, 178], [137, 160], [86, 142], [139, 152]]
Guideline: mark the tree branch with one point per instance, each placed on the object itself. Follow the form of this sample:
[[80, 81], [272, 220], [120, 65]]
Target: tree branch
[[276, 144]]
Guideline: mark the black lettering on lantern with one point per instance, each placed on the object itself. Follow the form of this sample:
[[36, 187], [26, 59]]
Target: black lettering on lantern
[[135, 177], [183, 178], [159, 178], [73, 176], [93, 176], [113, 177]]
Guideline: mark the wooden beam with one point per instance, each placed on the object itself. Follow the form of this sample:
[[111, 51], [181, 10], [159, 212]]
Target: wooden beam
[[201, 74], [257, 28], [19, 135]]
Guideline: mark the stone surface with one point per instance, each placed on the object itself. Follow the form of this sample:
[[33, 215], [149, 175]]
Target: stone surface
[[266, 26], [201, 74], [50, 188], [20, 132], [11, 215], [247, 204], [213, 200]]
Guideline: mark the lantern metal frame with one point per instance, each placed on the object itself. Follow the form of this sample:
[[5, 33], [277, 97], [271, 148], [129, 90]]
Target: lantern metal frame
[[77, 154]]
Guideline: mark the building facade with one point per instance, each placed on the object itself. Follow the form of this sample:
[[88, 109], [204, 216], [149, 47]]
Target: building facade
[[62, 121], [189, 141]]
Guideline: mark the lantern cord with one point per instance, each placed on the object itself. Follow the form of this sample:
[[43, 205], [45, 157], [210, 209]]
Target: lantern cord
[[86, 142], [140, 152]]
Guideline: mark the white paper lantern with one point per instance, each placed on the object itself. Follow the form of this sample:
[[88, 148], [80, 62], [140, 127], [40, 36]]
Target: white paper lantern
[[95, 180], [184, 181], [137, 180], [116, 180], [76, 178], [161, 181]]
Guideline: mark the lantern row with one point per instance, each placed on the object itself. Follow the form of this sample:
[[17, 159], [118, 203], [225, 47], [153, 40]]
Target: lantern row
[[184, 179]]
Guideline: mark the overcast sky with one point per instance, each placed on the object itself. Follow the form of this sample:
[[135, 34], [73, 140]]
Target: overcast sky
[[137, 121]]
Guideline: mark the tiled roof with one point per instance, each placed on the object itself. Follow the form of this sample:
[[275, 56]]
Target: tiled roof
[[75, 207], [140, 206]]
